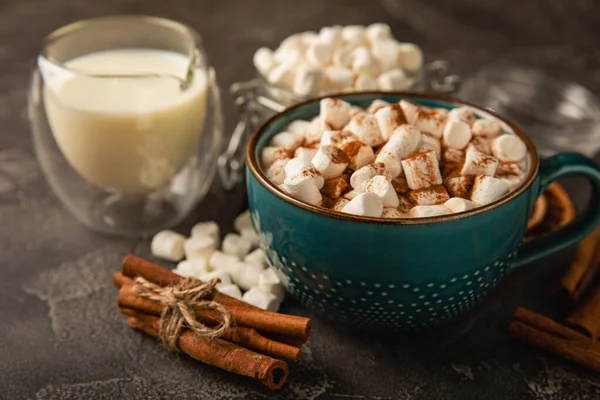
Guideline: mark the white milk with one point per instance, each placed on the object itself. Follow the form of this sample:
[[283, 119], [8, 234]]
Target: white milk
[[126, 135]]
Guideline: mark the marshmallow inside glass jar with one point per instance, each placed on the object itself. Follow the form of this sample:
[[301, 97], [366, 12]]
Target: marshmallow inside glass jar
[[429, 168], [339, 59]]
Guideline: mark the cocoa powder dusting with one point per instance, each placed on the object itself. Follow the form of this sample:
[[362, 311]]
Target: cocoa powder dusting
[[352, 148], [432, 195], [334, 188], [460, 185], [406, 203], [400, 185], [335, 155]]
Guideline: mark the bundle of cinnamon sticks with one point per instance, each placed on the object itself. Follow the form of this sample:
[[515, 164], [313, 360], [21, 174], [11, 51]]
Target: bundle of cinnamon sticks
[[577, 338], [251, 347]]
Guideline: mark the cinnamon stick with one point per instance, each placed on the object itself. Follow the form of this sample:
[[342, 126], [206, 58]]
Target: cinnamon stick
[[244, 314], [584, 267], [586, 317], [245, 337], [539, 212], [586, 354], [225, 355], [547, 325]]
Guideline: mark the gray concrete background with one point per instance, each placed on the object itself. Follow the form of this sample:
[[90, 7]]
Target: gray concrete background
[[60, 335]]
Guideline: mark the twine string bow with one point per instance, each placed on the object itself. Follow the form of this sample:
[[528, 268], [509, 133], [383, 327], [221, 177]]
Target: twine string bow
[[179, 302]]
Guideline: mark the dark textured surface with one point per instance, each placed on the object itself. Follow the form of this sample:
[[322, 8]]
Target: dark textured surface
[[60, 334]]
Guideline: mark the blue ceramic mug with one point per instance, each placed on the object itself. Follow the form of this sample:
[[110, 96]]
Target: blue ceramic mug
[[410, 273]]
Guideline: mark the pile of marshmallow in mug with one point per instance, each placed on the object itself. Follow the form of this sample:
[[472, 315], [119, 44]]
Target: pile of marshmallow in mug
[[240, 265], [341, 58]]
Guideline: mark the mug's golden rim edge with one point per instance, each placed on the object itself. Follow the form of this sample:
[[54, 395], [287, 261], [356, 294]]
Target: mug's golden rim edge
[[267, 184]]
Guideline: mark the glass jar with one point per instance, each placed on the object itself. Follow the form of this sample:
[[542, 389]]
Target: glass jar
[[258, 99], [126, 121]]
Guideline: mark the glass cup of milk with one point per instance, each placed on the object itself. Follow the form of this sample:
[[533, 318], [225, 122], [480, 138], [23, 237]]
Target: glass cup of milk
[[126, 121]]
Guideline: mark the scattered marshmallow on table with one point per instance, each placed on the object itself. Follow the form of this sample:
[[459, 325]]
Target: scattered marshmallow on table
[[269, 281], [168, 245], [263, 60], [365, 204], [250, 235], [199, 247], [487, 189], [192, 268], [257, 258], [383, 188], [209, 228], [244, 220], [236, 245], [261, 299], [231, 290], [246, 275], [220, 260], [222, 275]]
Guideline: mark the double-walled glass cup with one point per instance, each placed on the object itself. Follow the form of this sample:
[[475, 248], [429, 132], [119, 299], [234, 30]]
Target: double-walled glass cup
[[126, 121]]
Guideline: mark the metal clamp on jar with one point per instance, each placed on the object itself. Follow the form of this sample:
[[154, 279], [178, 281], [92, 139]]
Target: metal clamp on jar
[[258, 99]]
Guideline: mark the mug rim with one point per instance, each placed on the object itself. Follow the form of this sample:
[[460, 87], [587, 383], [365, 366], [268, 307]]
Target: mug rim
[[261, 177]]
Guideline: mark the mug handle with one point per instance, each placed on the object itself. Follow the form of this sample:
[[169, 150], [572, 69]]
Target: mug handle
[[550, 170]]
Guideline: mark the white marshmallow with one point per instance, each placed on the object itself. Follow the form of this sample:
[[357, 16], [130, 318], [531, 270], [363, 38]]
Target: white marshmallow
[[509, 147], [208, 228], [316, 129], [269, 282], [365, 82], [305, 153], [457, 134], [404, 141], [220, 260], [342, 57], [330, 161], [391, 160], [307, 80], [430, 143], [199, 247], [263, 60], [231, 290], [286, 140], [376, 105], [318, 54], [362, 176], [388, 118], [378, 31], [359, 154], [386, 52], [243, 221], [363, 62], [350, 195], [355, 110], [487, 189], [410, 110], [288, 55], [246, 275], [337, 138], [296, 166], [354, 35], [339, 204], [453, 156], [271, 154], [298, 127], [458, 204], [512, 181], [489, 128], [394, 79], [257, 258], [380, 186], [477, 163], [168, 245], [303, 188], [365, 204], [392, 213], [276, 172], [410, 57], [250, 235], [429, 196], [337, 78], [282, 74], [192, 268], [480, 144], [335, 112], [331, 35], [261, 299], [306, 173], [222, 275], [428, 211], [365, 127], [461, 113], [236, 245], [291, 43], [422, 170], [430, 122]]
